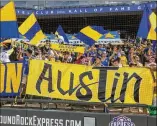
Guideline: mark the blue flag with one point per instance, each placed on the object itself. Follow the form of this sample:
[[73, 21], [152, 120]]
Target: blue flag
[[148, 26], [30, 28], [61, 34], [91, 34], [8, 22]]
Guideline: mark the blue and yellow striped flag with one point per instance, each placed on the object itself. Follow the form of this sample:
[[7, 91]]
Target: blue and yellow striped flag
[[91, 34], [8, 22], [60, 34], [31, 30], [148, 25]]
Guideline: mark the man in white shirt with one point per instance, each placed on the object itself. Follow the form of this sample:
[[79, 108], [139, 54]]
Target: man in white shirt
[[4, 57]]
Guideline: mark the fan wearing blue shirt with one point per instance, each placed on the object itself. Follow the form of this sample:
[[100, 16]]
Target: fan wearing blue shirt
[[100, 50], [92, 53], [25, 59], [106, 60]]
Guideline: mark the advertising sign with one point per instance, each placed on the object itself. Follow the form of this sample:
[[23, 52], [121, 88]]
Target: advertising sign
[[86, 10]]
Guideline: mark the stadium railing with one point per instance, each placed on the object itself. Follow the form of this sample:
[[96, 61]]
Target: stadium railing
[[72, 105]]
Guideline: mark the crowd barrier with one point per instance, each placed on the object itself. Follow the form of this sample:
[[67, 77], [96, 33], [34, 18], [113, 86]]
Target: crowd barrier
[[79, 82], [23, 117]]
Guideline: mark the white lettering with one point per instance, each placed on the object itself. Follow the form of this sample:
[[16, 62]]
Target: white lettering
[[51, 12], [95, 10], [122, 8], [47, 122], [128, 8], [18, 119], [22, 121], [34, 120], [36, 12], [61, 122], [18, 11], [4, 119], [126, 123], [72, 123], [38, 121], [30, 120], [9, 119], [23, 12], [110, 9], [70, 11], [116, 9], [77, 123], [56, 122], [139, 7], [101, 9], [80, 10], [75, 11], [13, 120], [26, 120], [43, 121], [67, 123], [51, 122], [112, 124], [120, 123], [85, 10], [0, 119], [46, 12], [41, 12]]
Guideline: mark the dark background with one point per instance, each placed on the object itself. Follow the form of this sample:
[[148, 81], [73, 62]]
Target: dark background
[[126, 22], [101, 119]]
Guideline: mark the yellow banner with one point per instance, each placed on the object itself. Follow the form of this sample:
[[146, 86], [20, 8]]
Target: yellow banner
[[10, 79], [82, 83], [69, 48]]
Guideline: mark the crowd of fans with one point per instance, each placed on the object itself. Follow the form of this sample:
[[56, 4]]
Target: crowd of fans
[[130, 54]]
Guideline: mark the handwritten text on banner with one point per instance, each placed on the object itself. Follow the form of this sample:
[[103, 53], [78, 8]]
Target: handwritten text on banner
[[78, 82]]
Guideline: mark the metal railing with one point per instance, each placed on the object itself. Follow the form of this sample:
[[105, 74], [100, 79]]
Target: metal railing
[[51, 104]]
